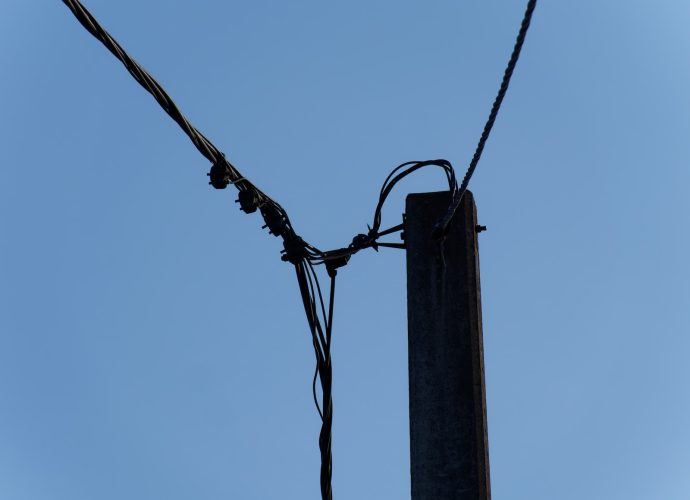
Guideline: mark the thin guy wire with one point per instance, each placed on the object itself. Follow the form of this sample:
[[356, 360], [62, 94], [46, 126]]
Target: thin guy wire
[[442, 225]]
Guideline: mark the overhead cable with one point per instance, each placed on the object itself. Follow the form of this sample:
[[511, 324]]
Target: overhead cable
[[222, 172], [442, 225]]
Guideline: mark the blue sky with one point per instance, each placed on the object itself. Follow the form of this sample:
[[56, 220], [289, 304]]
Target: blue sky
[[151, 340]]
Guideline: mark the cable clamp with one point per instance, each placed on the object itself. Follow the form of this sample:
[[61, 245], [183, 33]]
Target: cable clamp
[[248, 200], [333, 264], [295, 249], [274, 219], [219, 174]]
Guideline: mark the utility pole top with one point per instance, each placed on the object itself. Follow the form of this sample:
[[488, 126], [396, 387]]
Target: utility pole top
[[448, 430]]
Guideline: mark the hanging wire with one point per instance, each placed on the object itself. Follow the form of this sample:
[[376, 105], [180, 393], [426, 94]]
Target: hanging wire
[[309, 288], [442, 225], [270, 209], [200, 141]]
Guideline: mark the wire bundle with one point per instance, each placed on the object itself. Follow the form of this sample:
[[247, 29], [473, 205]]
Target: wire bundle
[[297, 251]]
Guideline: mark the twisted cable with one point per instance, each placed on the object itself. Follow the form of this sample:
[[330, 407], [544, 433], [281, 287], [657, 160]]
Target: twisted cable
[[442, 225]]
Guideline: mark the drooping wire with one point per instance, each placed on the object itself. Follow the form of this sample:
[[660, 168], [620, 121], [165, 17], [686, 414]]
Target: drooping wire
[[442, 225], [313, 391], [213, 154], [303, 257], [201, 142], [310, 289], [340, 256], [412, 166]]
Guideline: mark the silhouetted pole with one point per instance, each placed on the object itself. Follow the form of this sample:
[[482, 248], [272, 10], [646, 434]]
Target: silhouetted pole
[[448, 433]]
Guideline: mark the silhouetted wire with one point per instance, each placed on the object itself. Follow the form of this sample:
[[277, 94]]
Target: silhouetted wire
[[213, 154], [370, 239], [313, 391], [313, 274], [315, 277], [203, 144], [316, 346], [309, 287], [320, 330], [331, 305], [393, 179], [442, 225]]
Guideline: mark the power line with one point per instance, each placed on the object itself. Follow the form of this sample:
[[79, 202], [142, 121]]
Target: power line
[[222, 172], [442, 225]]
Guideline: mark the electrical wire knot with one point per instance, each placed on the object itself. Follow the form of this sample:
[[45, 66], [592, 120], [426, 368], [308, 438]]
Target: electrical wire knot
[[295, 249]]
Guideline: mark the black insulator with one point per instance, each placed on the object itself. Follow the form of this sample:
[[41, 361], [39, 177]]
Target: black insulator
[[274, 219], [219, 174], [295, 249], [248, 201]]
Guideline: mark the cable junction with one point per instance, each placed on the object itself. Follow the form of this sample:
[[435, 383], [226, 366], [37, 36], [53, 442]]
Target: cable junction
[[297, 251]]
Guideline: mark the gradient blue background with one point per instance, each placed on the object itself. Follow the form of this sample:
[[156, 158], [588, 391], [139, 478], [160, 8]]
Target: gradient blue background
[[152, 343]]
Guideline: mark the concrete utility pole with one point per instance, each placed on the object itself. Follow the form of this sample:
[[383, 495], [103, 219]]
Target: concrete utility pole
[[448, 432]]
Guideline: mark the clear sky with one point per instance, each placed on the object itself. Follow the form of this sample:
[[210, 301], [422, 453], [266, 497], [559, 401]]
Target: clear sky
[[152, 343]]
